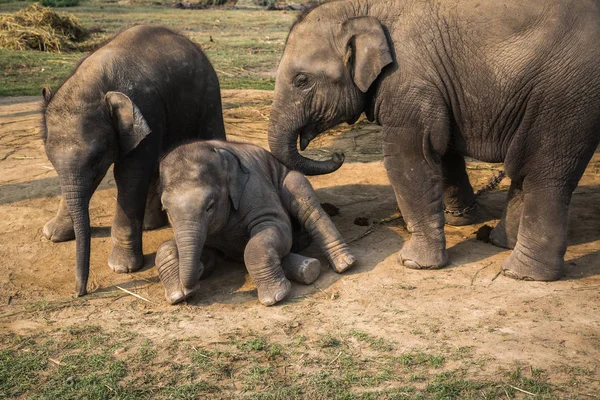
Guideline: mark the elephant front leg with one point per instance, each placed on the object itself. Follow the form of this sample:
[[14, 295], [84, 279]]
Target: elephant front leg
[[167, 264], [262, 256], [300, 199], [418, 185], [505, 233], [126, 233], [459, 199], [60, 228], [154, 215], [542, 239], [301, 269]]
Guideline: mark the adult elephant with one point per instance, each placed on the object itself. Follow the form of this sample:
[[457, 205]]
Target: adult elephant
[[143, 92], [502, 81]]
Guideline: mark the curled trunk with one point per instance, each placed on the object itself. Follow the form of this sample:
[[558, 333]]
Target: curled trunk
[[283, 142]]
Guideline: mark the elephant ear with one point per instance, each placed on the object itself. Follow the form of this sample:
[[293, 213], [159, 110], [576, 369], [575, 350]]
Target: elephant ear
[[128, 120], [368, 50], [237, 175]]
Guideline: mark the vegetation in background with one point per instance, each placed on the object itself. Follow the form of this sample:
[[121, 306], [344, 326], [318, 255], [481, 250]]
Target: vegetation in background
[[59, 3], [244, 45], [39, 28]]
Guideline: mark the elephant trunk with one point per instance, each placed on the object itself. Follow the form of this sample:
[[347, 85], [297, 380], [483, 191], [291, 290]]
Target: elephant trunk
[[78, 204], [190, 238], [283, 142]]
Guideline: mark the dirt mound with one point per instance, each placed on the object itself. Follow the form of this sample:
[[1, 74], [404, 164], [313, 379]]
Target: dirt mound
[[39, 28]]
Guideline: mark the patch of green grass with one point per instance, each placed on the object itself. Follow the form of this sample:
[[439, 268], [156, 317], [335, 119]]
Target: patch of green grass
[[374, 342], [59, 3], [535, 384], [244, 46], [328, 341], [255, 344], [19, 371], [420, 359], [146, 352]]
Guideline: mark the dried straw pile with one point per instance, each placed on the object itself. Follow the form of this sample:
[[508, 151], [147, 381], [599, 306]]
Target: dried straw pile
[[39, 28]]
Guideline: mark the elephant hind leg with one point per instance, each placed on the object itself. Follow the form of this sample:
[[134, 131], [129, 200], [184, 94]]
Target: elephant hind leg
[[542, 239], [154, 215], [301, 269], [301, 201], [459, 199]]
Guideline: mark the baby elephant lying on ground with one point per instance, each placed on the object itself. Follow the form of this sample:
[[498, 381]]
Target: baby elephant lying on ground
[[239, 199]]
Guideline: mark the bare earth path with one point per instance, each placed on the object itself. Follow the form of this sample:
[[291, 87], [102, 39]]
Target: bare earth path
[[481, 324]]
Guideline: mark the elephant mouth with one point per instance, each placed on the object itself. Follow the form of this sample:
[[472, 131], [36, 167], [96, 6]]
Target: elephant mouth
[[308, 133]]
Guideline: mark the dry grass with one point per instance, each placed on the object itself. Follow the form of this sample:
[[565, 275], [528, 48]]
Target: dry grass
[[39, 28]]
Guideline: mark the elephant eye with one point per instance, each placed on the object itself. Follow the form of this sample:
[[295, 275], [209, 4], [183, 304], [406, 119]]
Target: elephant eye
[[210, 206], [301, 81]]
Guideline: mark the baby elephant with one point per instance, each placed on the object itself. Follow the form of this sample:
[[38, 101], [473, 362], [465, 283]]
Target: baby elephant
[[239, 199]]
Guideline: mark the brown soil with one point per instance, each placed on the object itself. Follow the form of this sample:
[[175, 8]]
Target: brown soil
[[465, 304]]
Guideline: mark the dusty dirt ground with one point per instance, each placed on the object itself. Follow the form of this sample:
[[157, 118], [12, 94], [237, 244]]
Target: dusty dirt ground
[[465, 305]]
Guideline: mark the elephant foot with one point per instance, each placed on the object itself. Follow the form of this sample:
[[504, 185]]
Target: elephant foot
[[421, 254], [59, 230], [167, 264], [499, 237], [122, 260], [154, 219], [343, 261], [301, 269], [270, 293], [465, 216], [521, 266]]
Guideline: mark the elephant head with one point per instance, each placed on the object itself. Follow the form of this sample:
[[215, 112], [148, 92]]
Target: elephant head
[[200, 185], [328, 66], [82, 140]]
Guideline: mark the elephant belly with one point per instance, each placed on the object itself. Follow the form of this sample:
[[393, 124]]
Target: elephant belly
[[232, 243]]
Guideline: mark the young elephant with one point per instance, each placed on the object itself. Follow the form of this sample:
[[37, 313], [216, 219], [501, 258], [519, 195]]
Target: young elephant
[[239, 199], [146, 90]]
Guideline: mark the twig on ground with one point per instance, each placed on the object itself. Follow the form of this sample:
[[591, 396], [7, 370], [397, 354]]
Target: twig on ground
[[522, 391], [134, 294], [375, 226], [55, 361], [336, 357], [479, 270]]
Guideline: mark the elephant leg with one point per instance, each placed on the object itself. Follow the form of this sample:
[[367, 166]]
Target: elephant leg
[[459, 199], [418, 184], [542, 238], [133, 182], [505, 233], [265, 249], [301, 269], [167, 264], [300, 199], [154, 215], [60, 228]]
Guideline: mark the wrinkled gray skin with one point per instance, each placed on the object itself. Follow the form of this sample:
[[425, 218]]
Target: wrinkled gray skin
[[146, 90], [499, 81], [237, 198]]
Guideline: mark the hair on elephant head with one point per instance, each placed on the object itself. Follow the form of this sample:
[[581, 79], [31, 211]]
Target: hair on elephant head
[[321, 83]]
